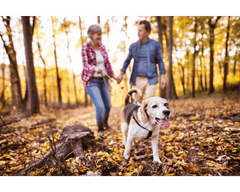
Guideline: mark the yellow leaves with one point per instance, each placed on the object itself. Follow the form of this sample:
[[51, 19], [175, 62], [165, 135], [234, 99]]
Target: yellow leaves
[[170, 174], [191, 167], [210, 163], [169, 148], [201, 153], [6, 156], [128, 174]]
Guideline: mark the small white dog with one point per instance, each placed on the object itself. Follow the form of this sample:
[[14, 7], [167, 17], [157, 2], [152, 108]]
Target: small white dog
[[143, 121]]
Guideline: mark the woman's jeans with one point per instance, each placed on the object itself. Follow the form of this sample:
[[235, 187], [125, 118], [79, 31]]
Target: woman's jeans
[[100, 97]]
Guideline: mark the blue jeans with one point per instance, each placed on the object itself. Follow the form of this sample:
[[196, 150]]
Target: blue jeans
[[100, 97]]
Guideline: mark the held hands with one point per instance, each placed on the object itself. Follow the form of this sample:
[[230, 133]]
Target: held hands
[[119, 78]]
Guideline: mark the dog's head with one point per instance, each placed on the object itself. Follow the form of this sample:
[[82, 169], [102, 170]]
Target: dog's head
[[155, 110]]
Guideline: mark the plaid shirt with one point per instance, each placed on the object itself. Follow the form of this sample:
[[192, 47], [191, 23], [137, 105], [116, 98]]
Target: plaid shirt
[[89, 62]]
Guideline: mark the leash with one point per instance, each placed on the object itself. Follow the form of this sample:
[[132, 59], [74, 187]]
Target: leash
[[139, 104], [149, 132]]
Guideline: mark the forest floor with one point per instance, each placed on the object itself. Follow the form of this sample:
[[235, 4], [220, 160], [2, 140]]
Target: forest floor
[[203, 140]]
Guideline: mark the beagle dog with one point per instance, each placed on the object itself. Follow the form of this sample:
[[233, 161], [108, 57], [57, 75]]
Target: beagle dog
[[143, 121]]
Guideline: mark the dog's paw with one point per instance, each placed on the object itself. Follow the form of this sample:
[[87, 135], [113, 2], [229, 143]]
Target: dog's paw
[[157, 160], [126, 157], [133, 143]]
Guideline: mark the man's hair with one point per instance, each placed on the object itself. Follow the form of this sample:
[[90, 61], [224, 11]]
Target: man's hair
[[146, 24]]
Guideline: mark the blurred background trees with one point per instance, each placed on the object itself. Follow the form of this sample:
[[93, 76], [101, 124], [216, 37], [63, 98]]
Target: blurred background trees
[[201, 55]]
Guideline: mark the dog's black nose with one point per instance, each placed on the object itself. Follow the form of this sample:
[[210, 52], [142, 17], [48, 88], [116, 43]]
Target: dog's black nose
[[166, 112]]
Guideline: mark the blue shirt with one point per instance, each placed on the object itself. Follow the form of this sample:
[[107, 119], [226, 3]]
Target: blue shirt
[[143, 64], [154, 55]]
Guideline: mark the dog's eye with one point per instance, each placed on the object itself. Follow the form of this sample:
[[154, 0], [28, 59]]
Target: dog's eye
[[165, 104], [154, 106]]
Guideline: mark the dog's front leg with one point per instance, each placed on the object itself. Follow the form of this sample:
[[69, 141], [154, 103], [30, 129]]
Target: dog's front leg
[[155, 149], [128, 147], [124, 127]]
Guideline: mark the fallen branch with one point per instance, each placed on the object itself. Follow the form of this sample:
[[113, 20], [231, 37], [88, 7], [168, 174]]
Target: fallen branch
[[141, 150], [143, 156]]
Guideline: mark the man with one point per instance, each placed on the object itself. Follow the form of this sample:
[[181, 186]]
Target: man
[[145, 52]]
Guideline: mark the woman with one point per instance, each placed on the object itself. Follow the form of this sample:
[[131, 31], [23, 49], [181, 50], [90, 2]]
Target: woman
[[96, 67]]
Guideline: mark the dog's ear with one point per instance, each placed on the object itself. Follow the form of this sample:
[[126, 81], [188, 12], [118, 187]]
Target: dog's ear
[[143, 111]]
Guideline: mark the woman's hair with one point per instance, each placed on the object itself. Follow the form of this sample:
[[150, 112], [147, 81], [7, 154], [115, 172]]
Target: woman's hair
[[146, 24], [93, 29]]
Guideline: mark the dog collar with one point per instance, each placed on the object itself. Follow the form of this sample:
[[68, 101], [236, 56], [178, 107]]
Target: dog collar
[[149, 132]]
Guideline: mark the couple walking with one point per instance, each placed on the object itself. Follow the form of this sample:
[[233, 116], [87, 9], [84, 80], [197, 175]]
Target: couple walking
[[96, 68]]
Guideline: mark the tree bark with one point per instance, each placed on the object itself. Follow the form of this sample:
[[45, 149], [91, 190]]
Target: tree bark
[[2, 100], [56, 64], [44, 74], [160, 34], [17, 102], [32, 86], [81, 37], [70, 60], [194, 57], [212, 27], [170, 90], [226, 56]]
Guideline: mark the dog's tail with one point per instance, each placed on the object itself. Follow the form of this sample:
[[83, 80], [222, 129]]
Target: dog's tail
[[134, 90]]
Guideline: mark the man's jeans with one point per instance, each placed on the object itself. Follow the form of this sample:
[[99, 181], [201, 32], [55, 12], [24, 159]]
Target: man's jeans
[[100, 97]]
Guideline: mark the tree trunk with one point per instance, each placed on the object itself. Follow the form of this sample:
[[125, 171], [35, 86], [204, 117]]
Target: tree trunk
[[226, 56], [56, 64], [235, 61], [70, 60], [170, 90], [44, 74], [2, 100], [160, 30], [81, 37], [98, 19], [31, 79], [201, 75], [212, 27], [182, 77], [194, 57], [17, 102]]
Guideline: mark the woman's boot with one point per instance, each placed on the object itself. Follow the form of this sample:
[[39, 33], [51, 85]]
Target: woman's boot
[[105, 123], [100, 129]]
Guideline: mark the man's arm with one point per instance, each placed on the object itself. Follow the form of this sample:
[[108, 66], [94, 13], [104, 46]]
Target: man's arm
[[125, 65], [161, 66]]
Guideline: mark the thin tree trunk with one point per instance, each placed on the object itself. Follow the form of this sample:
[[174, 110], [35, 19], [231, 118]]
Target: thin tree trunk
[[44, 74], [17, 102], [201, 75], [98, 19], [32, 86], [194, 57], [182, 77], [56, 64], [235, 61], [170, 90], [212, 27], [226, 56], [70, 59], [3, 84], [162, 92], [81, 37]]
